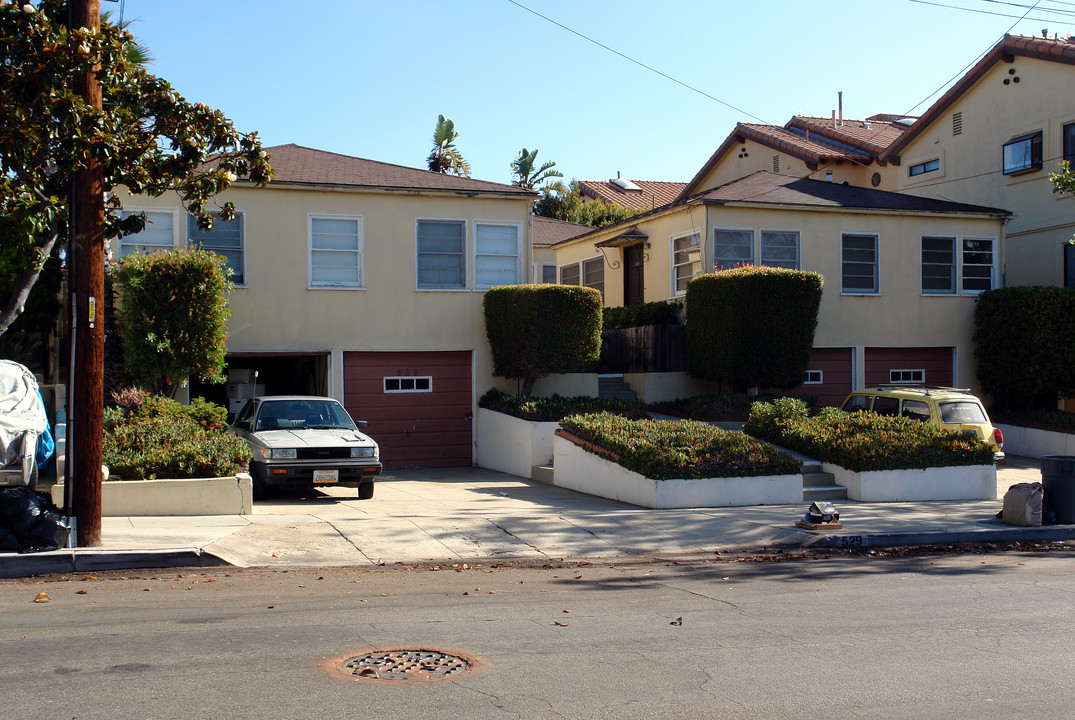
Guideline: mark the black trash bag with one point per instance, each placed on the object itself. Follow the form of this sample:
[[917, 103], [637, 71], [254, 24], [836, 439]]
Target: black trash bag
[[8, 541], [49, 533], [20, 508], [33, 520]]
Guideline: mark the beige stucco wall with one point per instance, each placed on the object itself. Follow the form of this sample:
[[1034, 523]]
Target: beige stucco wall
[[899, 316], [276, 311], [751, 156], [971, 163]]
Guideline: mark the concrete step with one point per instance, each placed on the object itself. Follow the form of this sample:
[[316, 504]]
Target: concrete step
[[824, 492], [818, 478], [542, 473], [615, 388]]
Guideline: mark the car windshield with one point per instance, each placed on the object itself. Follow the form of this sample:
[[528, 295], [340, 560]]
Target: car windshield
[[302, 414], [963, 411]]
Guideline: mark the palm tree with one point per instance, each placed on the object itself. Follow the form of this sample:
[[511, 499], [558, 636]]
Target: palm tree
[[445, 157], [526, 176]]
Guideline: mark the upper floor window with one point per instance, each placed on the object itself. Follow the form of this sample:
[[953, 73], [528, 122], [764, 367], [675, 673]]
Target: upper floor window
[[157, 236], [548, 274], [570, 275], [1022, 153], [1069, 265], [496, 255], [336, 251], [732, 248], [686, 261], [938, 265], [978, 261], [1069, 143], [924, 167], [780, 248], [858, 265], [441, 254], [225, 239]]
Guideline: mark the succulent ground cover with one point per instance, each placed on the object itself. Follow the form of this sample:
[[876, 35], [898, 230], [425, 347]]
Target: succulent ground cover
[[862, 441], [1055, 420], [556, 408], [723, 407], [663, 449]]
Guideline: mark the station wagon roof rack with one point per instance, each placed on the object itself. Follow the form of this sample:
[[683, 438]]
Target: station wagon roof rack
[[921, 386]]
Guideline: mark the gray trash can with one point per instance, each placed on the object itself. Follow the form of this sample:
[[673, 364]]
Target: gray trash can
[[1058, 479]]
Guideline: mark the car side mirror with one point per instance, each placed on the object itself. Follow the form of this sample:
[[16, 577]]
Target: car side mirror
[[243, 425], [361, 423]]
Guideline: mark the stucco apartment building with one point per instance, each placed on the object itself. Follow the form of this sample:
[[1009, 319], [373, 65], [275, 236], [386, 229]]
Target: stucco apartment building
[[363, 281]]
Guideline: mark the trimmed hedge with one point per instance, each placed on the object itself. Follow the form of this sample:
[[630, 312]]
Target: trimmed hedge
[[863, 441], [725, 407], [556, 408], [752, 326], [663, 449], [653, 313], [161, 438], [1022, 346], [1055, 420], [536, 330]]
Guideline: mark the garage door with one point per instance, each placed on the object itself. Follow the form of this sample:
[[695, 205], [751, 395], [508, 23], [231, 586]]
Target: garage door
[[929, 365], [828, 375], [418, 405]]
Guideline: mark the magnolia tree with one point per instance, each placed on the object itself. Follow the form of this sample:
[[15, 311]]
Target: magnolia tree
[[147, 138]]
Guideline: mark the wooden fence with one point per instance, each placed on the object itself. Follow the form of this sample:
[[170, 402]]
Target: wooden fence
[[653, 348]]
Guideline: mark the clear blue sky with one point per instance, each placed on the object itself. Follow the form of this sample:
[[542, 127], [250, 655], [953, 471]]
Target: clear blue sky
[[368, 78]]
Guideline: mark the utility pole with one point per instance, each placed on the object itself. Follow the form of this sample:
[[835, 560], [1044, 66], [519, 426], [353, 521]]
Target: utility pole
[[87, 399]]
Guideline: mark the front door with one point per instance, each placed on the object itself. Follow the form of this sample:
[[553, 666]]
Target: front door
[[634, 285]]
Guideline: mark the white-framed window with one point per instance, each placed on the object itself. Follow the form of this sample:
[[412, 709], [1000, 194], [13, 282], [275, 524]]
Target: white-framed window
[[570, 274], [157, 236], [780, 248], [732, 247], [226, 239], [408, 384], [859, 264], [903, 376], [1069, 142], [814, 377], [548, 274], [441, 254], [979, 262], [1022, 153], [924, 167], [938, 265], [686, 260], [496, 254], [336, 251], [593, 274]]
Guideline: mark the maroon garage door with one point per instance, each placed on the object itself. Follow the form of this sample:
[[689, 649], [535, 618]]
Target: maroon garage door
[[930, 365], [828, 377], [417, 404]]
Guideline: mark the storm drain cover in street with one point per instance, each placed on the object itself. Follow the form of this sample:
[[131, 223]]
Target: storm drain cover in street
[[409, 664]]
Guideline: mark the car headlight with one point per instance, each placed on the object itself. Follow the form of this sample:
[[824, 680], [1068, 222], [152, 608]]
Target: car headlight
[[278, 453], [362, 452]]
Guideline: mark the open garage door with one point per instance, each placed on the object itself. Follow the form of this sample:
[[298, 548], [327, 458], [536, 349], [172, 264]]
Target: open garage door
[[929, 365], [419, 405], [283, 373]]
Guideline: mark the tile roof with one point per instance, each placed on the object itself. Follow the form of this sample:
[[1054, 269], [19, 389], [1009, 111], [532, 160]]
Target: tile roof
[[549, 231], [297, 165], [769, 188], [653, 194], [1051, 49], [871, 137]]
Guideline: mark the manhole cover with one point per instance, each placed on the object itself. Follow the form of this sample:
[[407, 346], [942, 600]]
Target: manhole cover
[[408, 664]]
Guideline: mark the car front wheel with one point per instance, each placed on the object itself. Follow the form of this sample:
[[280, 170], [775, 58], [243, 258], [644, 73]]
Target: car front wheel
[[365, 491]]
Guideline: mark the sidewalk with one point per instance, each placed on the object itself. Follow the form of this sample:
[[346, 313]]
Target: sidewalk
[[472, 514]]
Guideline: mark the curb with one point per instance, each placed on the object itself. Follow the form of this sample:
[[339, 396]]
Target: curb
[[1039, 534], [95, 560]]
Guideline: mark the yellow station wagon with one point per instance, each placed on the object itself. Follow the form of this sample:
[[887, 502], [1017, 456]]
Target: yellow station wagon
[[950, 408]]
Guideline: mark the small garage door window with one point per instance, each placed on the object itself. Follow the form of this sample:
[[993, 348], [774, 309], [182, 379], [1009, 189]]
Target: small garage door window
[[408, 384]]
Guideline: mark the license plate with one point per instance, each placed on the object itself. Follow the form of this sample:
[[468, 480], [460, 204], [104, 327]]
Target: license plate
[[324, 477]]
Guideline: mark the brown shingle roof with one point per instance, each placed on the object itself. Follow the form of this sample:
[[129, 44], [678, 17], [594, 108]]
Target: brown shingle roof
[[299, 165], [1055, 50], [653, 194], [769, 188], [549, 231]]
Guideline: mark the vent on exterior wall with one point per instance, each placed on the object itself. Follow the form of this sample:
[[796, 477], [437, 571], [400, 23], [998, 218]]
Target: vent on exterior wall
[[776, 163], [957, 123]]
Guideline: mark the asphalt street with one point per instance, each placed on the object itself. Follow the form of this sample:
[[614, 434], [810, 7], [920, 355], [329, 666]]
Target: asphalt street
[[921, 636]]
